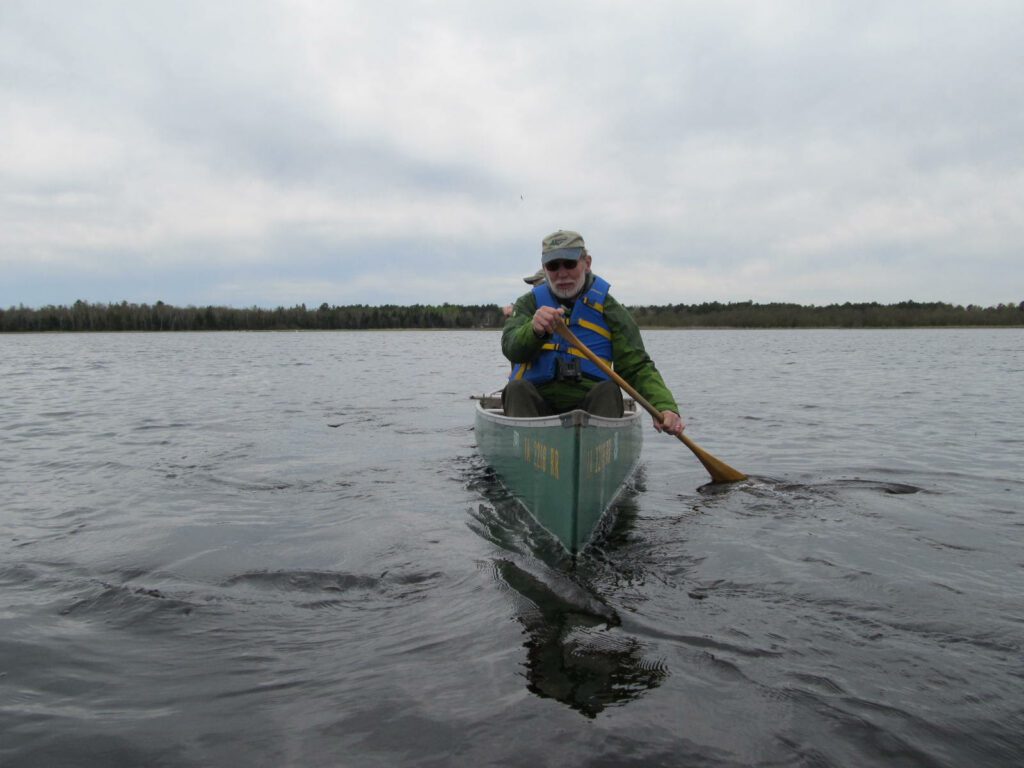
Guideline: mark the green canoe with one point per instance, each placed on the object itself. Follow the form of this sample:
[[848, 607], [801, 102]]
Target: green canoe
[[566, 470]]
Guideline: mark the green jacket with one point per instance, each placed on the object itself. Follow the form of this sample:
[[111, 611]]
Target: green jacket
[[630, 360]]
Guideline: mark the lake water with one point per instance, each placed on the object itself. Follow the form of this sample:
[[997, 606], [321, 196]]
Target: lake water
[[282, 549]]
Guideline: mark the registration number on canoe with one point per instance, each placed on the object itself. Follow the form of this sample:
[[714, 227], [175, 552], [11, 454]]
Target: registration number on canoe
[[545, 458], [538, 454], [597, 459]]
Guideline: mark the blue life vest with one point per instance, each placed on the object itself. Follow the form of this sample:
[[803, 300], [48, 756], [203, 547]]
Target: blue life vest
[[586, 322]]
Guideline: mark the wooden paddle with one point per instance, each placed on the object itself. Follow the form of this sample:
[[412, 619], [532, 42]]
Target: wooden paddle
[[719, 470]]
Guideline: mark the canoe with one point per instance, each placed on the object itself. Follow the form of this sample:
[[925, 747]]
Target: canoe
[[565, 470]]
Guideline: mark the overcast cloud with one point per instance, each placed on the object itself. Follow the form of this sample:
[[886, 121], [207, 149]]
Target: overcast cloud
[[275, 153]]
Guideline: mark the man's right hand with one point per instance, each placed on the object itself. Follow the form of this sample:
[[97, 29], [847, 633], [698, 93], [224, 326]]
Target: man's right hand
[[671, 422], [544, 320]]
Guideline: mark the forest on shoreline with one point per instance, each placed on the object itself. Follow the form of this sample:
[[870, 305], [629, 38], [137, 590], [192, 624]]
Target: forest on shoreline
[[84, 316]]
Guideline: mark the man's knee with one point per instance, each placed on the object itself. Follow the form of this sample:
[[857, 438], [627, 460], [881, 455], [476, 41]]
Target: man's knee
[[520, 398], [605, 399]]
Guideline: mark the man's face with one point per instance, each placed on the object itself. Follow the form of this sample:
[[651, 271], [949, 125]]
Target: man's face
[[566, 278]]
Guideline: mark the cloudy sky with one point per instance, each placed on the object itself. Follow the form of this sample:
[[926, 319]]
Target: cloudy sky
[[274, 153]]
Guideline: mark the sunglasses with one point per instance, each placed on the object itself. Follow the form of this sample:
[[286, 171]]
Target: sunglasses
[[557, 264]]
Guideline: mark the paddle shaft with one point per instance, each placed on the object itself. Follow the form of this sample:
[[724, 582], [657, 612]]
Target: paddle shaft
[[720, 471]]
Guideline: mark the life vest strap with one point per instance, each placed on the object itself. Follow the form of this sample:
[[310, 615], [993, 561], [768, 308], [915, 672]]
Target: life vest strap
[[552, 347], [596, 328], [574, 351]]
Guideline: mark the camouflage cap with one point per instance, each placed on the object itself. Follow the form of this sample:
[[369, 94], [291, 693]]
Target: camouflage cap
[[536, 278], [563, 244]]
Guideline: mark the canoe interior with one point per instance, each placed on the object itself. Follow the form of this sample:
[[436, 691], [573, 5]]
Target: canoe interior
[[566, 470]]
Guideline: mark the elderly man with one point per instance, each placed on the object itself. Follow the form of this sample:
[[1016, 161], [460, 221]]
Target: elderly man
[[548, 376]]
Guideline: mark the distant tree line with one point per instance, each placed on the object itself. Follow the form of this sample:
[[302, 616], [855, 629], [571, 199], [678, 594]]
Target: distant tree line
[[905, 314], [83, 316]]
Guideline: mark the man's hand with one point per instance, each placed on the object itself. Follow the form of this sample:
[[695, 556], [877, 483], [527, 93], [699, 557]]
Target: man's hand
[[671, 422], [544, 320]]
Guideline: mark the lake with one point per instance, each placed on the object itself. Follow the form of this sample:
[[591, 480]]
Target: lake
[[282, 549]]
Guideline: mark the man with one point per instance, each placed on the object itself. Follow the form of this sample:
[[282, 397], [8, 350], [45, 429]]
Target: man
[[548, 376], [536, 278]]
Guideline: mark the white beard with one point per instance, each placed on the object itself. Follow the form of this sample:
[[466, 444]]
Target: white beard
[[570, 292]]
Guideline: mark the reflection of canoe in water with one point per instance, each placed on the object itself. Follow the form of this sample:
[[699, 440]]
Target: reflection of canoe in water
[[576, 651], [566, 470]]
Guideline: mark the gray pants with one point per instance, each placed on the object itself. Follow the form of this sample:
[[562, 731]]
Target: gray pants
[[521, 398]]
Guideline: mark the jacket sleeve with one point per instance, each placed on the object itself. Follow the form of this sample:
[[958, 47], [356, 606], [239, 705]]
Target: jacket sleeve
[[518, 342], [631, 359]]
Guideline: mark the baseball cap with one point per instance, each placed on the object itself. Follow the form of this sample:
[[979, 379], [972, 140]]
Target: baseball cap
[[536, 278], [563, 244]]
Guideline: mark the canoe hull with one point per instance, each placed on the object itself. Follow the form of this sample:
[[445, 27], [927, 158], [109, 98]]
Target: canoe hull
[[566, 470]]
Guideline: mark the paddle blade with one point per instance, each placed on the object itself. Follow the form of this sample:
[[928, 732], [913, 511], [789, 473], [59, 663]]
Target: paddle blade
[[720, 471]]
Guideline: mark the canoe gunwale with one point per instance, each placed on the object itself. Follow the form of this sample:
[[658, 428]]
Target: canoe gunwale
[[491, 410]]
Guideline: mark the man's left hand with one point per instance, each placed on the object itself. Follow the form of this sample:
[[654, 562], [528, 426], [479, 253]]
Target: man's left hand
[[671, 422]]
